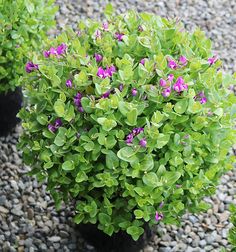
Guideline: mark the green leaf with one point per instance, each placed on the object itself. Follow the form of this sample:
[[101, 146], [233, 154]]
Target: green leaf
[[89, 146], [81, 176], [194, 106], [151, 179], [29, 6], [135, 232], [70, 113], [107, 124], [170, 177], [132, 117], [78, 218], [181, 106], [68, 165], [127, 154], [86, 105], [59, 107], [104, 219], [60, 139], [108, 9], [138, 214], [111, 160]]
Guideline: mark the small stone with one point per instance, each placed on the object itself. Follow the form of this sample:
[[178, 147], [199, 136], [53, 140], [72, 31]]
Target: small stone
[[224, 216], [30, 213], [202, 243], [54, 239], [64, 234], [149, 249], [3, 210], [210, 239], [193, 219]]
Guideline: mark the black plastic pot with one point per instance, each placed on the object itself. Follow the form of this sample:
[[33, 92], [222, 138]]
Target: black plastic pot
[[10, 104], [118, 242]]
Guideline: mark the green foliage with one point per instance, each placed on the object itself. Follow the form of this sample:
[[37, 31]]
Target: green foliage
[[232, 231], [119, 185], [23, 26]]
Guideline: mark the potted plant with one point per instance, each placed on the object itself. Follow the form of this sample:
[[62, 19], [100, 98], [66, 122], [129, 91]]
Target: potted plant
[[22, 27], [132, 118]]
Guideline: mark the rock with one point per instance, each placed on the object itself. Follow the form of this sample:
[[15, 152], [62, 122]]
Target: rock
[[148, 249], [4, 210], [54, 239], [202, 243]]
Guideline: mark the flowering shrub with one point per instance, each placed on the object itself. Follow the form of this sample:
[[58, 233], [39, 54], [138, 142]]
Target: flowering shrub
[[23, 25], [132, 118]]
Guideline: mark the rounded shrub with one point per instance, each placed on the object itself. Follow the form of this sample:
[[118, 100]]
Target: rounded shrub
[[22, 27], [132, 118]]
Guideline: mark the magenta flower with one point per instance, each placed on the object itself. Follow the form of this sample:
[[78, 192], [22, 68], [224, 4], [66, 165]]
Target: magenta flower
[[166, 92], [105, 26], [134, 91], [203, 100], [158, 216], [162, 82], [179, 85], [30, 67], [100, 72], [142, 61], [98, 57], [161, 204], [110, 70], [143, 142], [61, 49], [135, 132], [69, 83], [53, 51], [212, 60], [183, 60], [119, 36], [170, 77], [172, 64], [46, 54]]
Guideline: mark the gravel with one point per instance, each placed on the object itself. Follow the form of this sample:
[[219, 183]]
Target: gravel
[[28, 219]]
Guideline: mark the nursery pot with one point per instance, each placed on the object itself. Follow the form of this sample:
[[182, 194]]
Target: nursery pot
[[118, 242], [10, 104]]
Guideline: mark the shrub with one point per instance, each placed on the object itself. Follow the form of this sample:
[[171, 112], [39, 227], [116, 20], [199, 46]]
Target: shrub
[[23, 24], [132, 118], [232, 231]]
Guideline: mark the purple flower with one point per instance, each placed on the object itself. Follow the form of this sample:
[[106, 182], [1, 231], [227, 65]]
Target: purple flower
[[137, 131], [106, 94], [129, 138], [53, 51], [98, 57], [121, 87], [142, 61], [51, 128], [179, 85], [158, 216], [203, 100], [161, 204], [212, 60], [100, 72], [69, 83], [77, 100], [172, 64], [119, 36], [134, 91], [170, 77], [58, 123], [166, 92], [178, 186], [183, 60], [30, 67], [98, 34], [162, 82], [143, 142], [46, 54], [61, 49], [105, 26], [110, 70]]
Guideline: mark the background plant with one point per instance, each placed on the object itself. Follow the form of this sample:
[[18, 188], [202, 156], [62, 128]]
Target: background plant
[[131, 117], [23, 24], [232, 231]]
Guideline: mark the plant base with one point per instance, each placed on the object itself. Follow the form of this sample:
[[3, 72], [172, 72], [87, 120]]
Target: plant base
[[118, 242], [10, 104]]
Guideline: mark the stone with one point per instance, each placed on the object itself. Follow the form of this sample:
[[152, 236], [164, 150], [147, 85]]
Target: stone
[[54, 239], [4, 210]]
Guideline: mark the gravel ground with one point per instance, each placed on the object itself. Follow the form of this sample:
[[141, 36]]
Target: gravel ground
[[28, 219]]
